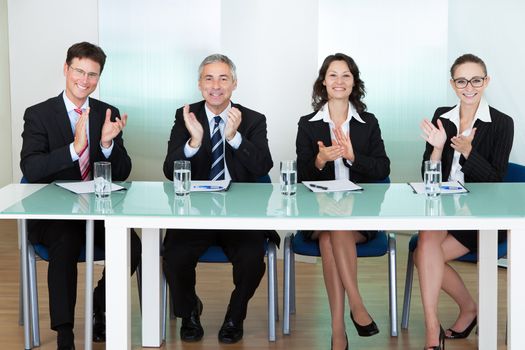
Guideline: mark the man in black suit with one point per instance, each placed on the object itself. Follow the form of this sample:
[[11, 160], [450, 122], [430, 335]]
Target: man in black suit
[[222, 140], [62, 138]]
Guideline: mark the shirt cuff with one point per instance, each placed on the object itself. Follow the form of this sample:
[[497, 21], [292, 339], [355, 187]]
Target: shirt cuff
[[347, 163], [236, 141], [74, 155], [107, 151], [190, 151]]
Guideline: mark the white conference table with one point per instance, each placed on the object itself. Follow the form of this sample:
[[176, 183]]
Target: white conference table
[[152, 206]]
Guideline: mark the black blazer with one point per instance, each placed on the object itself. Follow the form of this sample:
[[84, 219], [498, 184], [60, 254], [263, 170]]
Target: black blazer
[[250, 161], [45, 155], [491, 148], [371, 162]]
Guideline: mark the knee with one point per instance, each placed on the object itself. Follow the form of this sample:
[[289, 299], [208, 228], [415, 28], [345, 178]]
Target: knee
[[177, 257], [325, 239], [66, 248]]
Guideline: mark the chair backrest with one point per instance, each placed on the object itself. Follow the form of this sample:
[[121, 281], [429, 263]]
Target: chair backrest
[[265, 179], [515, 173], [375, 247]]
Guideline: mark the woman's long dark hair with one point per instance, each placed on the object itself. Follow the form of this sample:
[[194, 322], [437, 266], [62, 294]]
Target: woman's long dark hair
[[320, 96]]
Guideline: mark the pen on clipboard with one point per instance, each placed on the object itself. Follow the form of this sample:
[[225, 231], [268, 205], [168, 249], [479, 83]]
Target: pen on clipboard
[[451, 188], [319, 186]]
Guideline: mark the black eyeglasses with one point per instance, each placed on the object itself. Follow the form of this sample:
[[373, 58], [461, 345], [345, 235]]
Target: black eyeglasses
[[476, 82]]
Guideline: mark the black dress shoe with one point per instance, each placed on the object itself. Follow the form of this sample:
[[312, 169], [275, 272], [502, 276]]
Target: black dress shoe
[[191, 329], [99, 326], [230, 332], [465, 333], [72, 347], [367, 330]]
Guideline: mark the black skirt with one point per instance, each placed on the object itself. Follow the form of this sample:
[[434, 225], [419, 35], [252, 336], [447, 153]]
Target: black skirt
[[469, 238]]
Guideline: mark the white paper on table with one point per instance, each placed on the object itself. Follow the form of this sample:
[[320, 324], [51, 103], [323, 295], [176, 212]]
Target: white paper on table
[[449, 187], [80, 187], [210, 186], [332, 186]]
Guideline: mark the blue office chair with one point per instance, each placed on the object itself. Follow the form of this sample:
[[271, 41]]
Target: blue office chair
[[37, 252], [297, 244], [215, 254], [515, 173]]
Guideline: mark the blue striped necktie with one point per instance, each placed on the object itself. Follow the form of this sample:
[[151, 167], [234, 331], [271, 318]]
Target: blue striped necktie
[[217, 152]]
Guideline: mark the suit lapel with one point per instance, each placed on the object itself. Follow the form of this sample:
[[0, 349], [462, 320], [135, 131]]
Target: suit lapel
[[206, 138], [95, 129], [481, 128], [62, 120]]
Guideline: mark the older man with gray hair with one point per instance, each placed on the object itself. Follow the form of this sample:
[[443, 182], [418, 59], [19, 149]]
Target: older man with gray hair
[[223, 141]]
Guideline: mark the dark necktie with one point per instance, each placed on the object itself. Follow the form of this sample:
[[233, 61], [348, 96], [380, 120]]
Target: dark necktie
[[217, 152], [83, 159]]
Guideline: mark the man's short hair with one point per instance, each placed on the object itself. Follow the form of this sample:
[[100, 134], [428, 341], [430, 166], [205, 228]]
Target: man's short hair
[[86, 50]]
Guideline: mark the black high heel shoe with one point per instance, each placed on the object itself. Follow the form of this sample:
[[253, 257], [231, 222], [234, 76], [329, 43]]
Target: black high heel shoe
[[332, 343], [441, 345], [367, 330], [465, 333]]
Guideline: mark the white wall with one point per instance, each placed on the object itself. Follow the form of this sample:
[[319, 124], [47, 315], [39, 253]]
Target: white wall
[[276, 46], [40, 32], [5, 111]]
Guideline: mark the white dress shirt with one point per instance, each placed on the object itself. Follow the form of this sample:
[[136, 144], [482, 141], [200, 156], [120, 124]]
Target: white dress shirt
[[235, 142], [73, 118], [341, 170]]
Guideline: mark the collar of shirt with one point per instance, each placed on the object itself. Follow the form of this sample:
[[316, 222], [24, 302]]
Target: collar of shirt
[[324, 115], [211, 116], [70, 106], [482, 113]]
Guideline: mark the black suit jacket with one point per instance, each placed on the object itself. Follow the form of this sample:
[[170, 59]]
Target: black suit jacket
[[491, 148], [371, 162], [45, 155], [251, 160]]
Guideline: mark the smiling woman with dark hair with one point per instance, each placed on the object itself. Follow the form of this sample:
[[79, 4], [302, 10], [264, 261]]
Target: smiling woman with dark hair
[[473, 142], [340, 140]]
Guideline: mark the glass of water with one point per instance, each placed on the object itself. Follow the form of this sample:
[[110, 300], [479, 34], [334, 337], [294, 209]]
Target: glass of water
[[182, 177], [102, 179], [432, 177], [288, 177]]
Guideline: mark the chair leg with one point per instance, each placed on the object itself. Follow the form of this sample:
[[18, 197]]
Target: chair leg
[[292, 281], [392, 284], [22, 233], [276, 285], [138, 273], [33, 296], [286, 283], [20, 295], [271, 291], [164, 300], [408, 291]]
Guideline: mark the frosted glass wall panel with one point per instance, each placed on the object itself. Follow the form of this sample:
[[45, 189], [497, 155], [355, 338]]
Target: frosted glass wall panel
[[276, 58], [401, 50], [494, 31], [154, 49]]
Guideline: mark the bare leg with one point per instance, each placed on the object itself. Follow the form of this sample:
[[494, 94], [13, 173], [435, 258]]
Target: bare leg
[[454, 286], [430, 262], [335, 291], [345, 254]]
